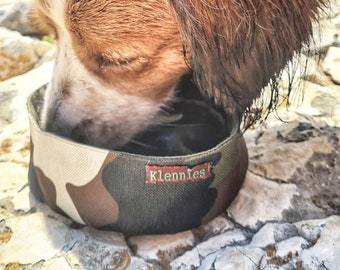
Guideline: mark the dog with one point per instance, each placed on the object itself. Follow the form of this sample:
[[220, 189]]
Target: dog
[[118, 63]]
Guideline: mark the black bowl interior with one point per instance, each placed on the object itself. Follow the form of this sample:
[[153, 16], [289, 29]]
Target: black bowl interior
[[198, 126], [192, 124]]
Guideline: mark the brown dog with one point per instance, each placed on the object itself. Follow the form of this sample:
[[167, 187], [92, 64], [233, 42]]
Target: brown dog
[[118, 62]]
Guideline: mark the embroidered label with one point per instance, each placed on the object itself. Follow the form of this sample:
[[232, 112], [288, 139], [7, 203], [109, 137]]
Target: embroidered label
[[177, 174]]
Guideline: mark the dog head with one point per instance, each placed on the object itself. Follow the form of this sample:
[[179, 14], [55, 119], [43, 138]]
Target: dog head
[[118, 62]]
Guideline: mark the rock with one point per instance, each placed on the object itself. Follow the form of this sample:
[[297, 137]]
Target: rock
[[16, 91], [6, 95], [208, 261], [165, 248], [278, 246], [324, 167], [161, 248], [16, 16], [331, 64], [15, 143], [320, 103], [19, 54], [220, 241], [35, 237], [310, 233], [261, 201], [240, 258], [14, 137], [303, 207], [21, 201], [97, 250], [271, 233], [324, 254], [326, 32], [189, 260], [217, 226], [13, 178], [291, 247], [5, 233], [266, 156], [314, 149], [55, 264]]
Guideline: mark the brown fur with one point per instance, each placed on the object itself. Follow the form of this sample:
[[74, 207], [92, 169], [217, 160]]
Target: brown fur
[[238, 46]]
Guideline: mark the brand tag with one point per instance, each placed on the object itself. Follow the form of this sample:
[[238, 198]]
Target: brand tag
[[177, 174]]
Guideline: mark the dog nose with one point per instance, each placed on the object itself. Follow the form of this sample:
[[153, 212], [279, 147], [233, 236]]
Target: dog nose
[[60, 126], [54, 124], [55, 127]]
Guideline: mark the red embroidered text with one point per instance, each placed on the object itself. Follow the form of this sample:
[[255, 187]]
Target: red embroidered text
[[175, 174]]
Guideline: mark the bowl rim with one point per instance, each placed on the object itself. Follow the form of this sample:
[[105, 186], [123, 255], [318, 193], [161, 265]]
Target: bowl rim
[[33, 114]]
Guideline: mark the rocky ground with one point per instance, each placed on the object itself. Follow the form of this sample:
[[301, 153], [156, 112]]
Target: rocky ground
[[286, 216]]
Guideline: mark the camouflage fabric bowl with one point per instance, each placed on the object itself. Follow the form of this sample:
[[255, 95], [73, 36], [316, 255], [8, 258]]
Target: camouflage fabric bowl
[[130, 193]]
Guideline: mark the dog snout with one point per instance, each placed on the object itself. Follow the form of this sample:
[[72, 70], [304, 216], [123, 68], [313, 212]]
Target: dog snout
[[84, 130]]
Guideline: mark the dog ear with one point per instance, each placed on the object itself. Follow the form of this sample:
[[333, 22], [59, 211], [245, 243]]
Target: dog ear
[[236, 47]]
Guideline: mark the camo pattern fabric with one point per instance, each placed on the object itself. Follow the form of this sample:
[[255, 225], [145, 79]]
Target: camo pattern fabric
[[130, 193]]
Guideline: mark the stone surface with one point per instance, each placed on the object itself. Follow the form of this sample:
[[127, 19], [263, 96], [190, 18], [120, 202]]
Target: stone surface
[[324, 254], [16, 16], [250, 209], [42, 243], [331, 64], [286, 216], [162, 247], [14, 93], [19, 54]]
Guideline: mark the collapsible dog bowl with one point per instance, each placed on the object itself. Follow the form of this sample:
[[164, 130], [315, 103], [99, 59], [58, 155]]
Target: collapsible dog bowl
[[133, 193]]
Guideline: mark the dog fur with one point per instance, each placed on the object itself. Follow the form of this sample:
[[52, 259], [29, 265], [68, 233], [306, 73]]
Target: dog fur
[[118, 62]]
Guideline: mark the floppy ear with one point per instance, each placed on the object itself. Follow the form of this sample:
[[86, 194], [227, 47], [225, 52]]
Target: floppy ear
[[236, 47]]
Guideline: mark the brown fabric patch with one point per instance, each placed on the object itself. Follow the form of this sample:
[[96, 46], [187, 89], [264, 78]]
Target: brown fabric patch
[[94, 203], [229, 186], [48, 190]]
